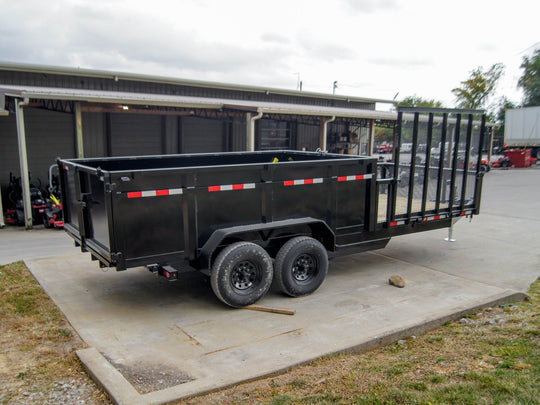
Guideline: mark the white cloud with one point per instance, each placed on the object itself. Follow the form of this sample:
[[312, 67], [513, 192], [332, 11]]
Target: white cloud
[[374, 48]]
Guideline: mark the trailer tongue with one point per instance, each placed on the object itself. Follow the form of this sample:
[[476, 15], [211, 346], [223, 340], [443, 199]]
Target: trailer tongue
[[229, 214]]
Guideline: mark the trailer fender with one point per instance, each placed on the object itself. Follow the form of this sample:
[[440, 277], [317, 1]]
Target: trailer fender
[[320, 231]]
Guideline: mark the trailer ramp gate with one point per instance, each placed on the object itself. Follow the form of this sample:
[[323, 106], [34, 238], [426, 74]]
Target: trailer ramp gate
[[434, 174]]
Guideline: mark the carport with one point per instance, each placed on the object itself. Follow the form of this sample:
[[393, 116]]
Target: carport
[[14, 98]]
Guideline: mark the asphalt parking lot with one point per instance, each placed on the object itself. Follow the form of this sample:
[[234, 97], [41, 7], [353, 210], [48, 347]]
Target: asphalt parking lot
[[181, 341]]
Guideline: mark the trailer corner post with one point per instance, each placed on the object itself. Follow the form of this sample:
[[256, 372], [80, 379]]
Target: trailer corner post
[[23, 159], [250, 141]]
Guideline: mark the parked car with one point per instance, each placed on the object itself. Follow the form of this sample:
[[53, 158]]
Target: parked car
[[384, 148]]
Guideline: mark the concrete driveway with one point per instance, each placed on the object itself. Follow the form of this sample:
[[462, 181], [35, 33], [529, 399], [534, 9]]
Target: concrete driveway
[[153, 341]]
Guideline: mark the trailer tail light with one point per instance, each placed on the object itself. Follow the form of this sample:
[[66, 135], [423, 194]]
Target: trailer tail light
[[170, 273]]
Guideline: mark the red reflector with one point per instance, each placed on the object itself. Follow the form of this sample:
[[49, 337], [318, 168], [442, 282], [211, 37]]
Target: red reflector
[[342, 178], [238, 187], [214, 188], [437, 217], [288, 183], [308, 181], [166, 274], [134, 194], [463, 213], [360, 177], [393, 223], [162, 192]]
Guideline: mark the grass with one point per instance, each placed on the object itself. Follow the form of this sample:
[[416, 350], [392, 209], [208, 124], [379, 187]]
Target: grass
[[493, 357], [37, 343]]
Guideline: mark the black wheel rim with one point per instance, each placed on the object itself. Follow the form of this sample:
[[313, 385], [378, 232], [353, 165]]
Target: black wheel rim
[[305, 267], [245, 276]]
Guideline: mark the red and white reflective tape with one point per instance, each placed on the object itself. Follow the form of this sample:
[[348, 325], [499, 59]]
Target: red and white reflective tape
[[232, 187], [302, 181], [426, 219], [154, 193], [398, 222], [355, 177]]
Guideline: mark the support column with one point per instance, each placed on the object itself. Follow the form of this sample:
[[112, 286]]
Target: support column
[[250, 132], [323, 132], [79, 131], [23, 159], [2, 224], [371, 138]]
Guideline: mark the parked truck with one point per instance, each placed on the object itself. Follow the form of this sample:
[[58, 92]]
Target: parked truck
[[522, 129], [246, 219]]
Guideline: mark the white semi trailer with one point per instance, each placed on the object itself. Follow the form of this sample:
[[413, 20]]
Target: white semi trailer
[[522, 129]]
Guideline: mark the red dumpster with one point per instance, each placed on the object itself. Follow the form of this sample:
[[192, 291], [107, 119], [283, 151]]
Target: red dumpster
[[519, 157]]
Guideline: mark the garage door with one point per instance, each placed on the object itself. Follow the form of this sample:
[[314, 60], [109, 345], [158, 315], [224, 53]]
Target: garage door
[[133, 134], [202, 135]]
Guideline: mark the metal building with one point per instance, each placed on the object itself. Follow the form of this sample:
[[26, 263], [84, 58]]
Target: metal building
[[47, 112]]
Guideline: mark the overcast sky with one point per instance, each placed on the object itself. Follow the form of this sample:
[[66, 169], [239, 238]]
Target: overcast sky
[[372, 48]]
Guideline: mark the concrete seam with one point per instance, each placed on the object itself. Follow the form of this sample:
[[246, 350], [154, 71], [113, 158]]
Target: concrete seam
[[161, 397]]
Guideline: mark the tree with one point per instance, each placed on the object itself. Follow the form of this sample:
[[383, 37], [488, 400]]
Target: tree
[[474, 91], [415, 101], [499, 117], [503, 105], [530, 80]]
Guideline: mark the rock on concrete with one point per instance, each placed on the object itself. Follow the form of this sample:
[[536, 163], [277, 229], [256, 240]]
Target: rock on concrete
[[396, 281]]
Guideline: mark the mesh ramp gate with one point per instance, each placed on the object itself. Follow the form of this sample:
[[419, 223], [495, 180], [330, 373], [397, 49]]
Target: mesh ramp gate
[[435, 170]]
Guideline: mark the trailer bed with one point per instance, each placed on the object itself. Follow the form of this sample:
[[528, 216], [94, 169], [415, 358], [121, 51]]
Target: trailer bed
[[169, 212]]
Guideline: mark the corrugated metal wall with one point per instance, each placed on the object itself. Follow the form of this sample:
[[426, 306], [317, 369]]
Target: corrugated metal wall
[[238, 135], [171, 136], [48, 135], [307, 137], [138, 86], [200, 135], [135, 134], [9, 151], [94, 134]]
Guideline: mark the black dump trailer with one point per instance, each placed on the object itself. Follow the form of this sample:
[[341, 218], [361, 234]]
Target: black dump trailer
[[247, 218]]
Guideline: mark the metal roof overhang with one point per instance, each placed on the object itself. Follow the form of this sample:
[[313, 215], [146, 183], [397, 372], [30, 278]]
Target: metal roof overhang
[[124, 76], [164, 100], [113, 97]]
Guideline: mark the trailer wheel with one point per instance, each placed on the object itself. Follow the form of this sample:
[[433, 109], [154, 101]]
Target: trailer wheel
[[301, 266], [241, 274]]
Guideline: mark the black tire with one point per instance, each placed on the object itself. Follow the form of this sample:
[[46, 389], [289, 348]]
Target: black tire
[[301, 266], [241, 274]]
